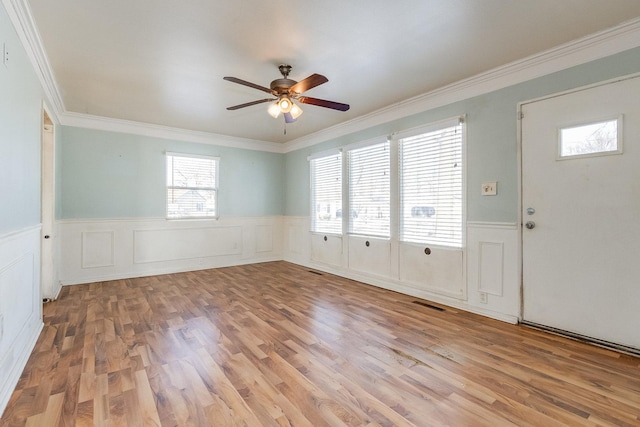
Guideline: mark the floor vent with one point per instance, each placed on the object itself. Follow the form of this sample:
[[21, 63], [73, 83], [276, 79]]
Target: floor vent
[[315, 272], [424, 304]]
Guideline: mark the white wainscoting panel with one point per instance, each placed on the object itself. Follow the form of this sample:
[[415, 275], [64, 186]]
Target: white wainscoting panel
[[326, 249], [493, 267], [97, 249], [442, 271], [490, 267], [149, 246], [370, 255], [264, 238], [297, 239], [180, 243], [20, 305]]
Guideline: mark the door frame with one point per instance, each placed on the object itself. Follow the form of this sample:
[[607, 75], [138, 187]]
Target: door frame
[[520, 216], [50, 166]]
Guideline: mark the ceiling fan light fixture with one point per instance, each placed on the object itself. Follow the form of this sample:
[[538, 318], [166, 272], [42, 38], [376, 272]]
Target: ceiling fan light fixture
[[274, 110], [285, 104], [295, 111]]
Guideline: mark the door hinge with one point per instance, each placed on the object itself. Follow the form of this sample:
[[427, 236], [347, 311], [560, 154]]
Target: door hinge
[[520, 115]]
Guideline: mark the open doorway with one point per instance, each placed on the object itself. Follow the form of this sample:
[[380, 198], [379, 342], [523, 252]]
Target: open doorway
[[48, 287]]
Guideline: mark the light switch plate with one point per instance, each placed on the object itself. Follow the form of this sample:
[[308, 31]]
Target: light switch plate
[[489, 188]]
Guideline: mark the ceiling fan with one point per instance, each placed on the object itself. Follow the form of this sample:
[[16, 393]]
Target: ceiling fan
[[285, 92]]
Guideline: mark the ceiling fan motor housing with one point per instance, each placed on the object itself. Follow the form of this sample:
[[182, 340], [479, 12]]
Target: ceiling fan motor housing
[[282, 85]]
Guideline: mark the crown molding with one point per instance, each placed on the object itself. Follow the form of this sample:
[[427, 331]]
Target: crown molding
[[20, 15], [595, 46], [165, 132], [590, 48]]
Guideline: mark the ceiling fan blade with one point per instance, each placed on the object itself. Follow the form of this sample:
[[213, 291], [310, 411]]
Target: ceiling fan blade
[[288, 118], [249, 104], [309, 83], [324, 103], [246, 83]]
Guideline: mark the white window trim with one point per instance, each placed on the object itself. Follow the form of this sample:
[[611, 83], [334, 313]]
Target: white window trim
[[395, 179], [362, 145], [322, 155], [419, 130], [216, 188]]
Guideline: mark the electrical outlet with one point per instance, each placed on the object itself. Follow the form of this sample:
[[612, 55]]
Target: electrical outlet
[[489, 188], [483, 297], [5, 55]]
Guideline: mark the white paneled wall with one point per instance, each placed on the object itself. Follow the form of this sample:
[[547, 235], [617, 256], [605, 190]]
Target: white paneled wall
[[483, 278], [20, 304], [96, 250], [439, 270], [327, 249], [371, 256], [493, 268], [297, 243]]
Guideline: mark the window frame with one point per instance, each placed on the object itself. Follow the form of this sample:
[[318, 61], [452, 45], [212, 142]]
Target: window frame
[[350, 191], [168, 187], [619, 138], [312, 190], [401, 220]]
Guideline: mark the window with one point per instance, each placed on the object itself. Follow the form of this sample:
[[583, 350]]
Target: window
[[192, 186], [369, 185], [430, 168], [326, 194], [590, 139]]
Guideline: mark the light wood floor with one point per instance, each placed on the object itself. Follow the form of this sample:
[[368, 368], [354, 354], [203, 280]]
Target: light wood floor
[[277, 345]]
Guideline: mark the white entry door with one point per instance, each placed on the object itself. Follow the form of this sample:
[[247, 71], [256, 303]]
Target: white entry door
[[581, 212]]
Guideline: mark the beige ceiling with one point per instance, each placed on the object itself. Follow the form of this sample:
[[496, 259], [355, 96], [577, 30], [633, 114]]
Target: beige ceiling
[[162, 61]]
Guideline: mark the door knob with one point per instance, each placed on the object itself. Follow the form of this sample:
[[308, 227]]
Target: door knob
[[530, 225]]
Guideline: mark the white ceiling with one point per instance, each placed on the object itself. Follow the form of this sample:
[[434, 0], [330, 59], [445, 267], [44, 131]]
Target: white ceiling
[[162, 62]]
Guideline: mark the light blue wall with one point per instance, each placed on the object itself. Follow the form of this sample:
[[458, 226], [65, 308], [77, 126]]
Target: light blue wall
[[20, 116], [115, 175], [491, 137]]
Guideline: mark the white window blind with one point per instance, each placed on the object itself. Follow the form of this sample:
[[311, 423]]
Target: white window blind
[[192, 186], [431, 187], [326, 194], [369, 187]]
